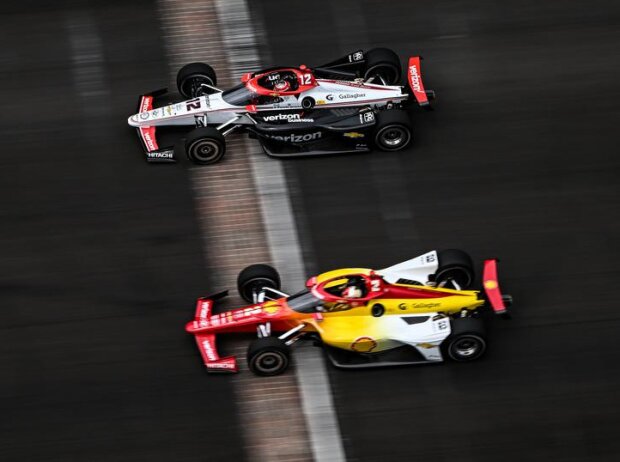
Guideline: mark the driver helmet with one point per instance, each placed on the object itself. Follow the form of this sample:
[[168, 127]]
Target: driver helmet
[[352, 292], [281, 85]]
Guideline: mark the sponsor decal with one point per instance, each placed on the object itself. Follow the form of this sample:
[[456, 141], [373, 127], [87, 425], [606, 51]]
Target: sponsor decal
[[415, 78], [222, 365], [161, 155], [364, 344], [320, 101], [490, 284], [271, 309], [146, 103], [425, 345], [442, 325], [425, 305], [293, 138], [155, 112], [361, 146], [144, 115], [272, 77], [287, 117], [178, 106], [351, 95], [208, 349], [403, 306], [149, 141], [367, 117], [353, 135], [357, 56], [430, 258], [329, 97], [168, 110]]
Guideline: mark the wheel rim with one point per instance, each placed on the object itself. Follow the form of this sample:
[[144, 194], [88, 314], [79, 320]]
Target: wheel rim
[[467, 347], [205, 150], [388, 73], [461, 276], [255, 286], [270, 362], [192, 86], [393, 137]]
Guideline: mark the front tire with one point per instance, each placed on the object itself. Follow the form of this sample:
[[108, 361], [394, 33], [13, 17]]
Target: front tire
[[191, 77], [254, 278], [384, 65], [205, 145], [268, 356], [393, 131], [467, 341]]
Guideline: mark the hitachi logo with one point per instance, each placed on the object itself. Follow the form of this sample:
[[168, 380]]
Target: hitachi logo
[[161, 155], [414, 78], [292, 138]]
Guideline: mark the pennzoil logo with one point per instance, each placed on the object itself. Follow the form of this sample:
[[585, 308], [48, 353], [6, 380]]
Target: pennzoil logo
[[353, 135], [364, 344]]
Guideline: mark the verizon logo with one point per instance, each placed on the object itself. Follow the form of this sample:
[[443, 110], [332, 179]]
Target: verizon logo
[[146, 103], [208, 349], [414, 78], [149, 141]]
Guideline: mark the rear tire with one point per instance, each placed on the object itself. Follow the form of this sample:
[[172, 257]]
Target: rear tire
[[467, 341], [254, 277], [268, 356], [455, 265], [384, 63], [393, 130], [191, 77], [205, 145]]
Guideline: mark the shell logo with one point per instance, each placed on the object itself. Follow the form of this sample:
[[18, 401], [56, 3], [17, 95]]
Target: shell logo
[[490, 284], [363, 344], [271, 309]]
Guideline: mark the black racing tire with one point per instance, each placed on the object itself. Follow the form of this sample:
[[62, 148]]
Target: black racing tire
[[385, 63], [254, 277], [467, 340], [454, 265], [205, 145], [268, 356], [393, 130], [191, 76]]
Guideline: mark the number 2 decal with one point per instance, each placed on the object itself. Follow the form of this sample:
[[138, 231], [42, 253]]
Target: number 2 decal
[[375, 285], [306, 79], [193, 104]]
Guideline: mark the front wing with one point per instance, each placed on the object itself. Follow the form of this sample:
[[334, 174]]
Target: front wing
[[147, 135]]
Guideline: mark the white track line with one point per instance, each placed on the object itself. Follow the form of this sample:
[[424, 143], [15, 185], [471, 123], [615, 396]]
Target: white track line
[[239, 38]]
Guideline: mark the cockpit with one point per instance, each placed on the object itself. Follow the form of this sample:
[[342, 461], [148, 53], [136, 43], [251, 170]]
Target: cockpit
[[285, 80]]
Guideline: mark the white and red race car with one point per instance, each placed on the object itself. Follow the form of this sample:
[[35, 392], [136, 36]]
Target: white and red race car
[[353, 104]]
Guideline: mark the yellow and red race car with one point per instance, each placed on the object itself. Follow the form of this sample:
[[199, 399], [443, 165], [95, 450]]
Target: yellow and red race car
[[418, 311]]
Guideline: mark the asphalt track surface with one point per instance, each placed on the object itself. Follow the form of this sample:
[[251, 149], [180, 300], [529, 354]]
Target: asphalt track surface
[[102, 255]]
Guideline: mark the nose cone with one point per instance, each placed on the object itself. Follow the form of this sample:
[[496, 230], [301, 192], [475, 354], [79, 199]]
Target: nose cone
[[133, 121]]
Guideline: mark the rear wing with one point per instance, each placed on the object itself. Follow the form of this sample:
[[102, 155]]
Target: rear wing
[[147, 135], [414, 78], [490, 283]]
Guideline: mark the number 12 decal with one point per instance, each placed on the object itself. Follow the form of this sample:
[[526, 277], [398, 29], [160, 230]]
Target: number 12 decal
[[306, 79]]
